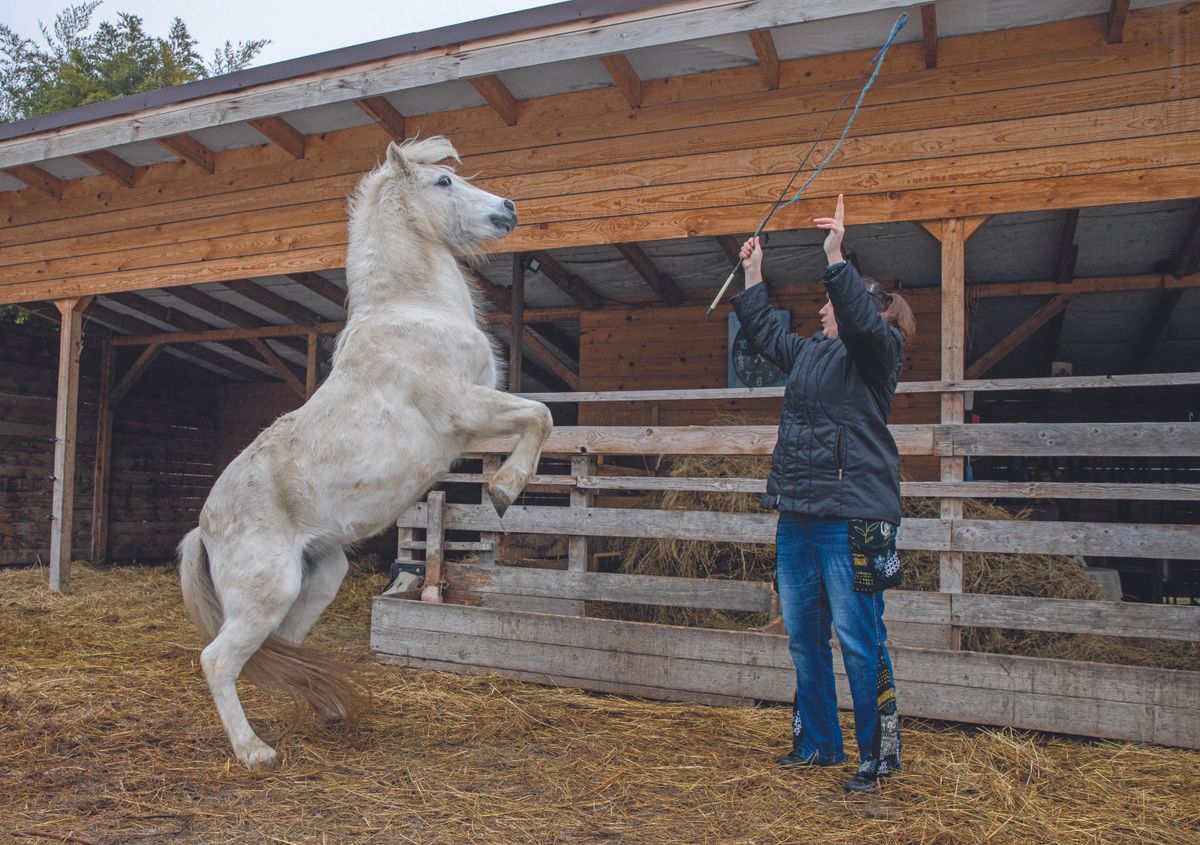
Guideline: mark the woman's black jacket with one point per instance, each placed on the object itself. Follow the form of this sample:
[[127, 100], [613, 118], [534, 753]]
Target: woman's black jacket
[[835, 458]]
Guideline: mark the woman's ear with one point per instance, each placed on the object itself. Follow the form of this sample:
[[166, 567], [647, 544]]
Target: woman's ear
[[396, 157]]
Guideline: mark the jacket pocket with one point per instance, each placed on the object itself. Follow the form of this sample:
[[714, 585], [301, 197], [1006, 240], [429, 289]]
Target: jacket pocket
[[839, 448]]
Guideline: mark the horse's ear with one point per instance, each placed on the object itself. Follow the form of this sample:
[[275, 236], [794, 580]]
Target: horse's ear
[[396, 157]]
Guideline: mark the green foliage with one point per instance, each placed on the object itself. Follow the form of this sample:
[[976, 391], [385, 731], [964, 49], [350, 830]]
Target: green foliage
[[79, 65]]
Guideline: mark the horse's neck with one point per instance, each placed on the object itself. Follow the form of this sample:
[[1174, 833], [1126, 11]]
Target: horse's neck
[[400, 275]]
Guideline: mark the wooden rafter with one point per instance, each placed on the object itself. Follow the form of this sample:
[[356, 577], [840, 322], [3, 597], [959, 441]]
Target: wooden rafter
[[226, 311], [385, 115], [140, 328], [112, 166], [659, 282], [502, 101], [281, 133], [516, 321], [38, 179], [1068, 250], [970, 225], [1116, 20], [189, 149], [625, 77], [570, 284], [321, 286], [294, 311], [768, 56], [1187, 257], [930, 34], [135, 372], [1167, 301], [1018, 335]]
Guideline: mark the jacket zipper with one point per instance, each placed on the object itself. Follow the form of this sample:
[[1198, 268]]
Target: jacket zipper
[[840, 448]]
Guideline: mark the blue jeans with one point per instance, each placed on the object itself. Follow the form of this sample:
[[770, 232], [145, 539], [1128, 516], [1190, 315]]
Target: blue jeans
[[814, 577]]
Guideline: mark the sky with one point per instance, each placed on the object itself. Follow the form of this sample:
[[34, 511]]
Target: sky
[[295, 27]]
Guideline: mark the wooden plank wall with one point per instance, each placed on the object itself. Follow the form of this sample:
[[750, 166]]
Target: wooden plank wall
[[163, 447], [28, 380], [679, 348], [1044, 117]]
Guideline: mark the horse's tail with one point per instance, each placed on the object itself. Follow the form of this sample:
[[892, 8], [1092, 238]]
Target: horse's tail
[[307, 675]]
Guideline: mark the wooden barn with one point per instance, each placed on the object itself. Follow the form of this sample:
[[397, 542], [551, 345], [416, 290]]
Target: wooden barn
[[1026, 172]]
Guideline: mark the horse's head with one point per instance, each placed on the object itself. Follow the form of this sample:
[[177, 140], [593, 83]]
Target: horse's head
[[435, 202]]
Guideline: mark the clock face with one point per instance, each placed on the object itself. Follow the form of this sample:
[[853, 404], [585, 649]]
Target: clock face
[[753, 369]]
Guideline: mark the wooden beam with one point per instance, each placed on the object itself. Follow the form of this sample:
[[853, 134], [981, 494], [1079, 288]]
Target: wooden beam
[[569, 283], [66, 423], [1117, 12], [135, 372], [953, 236], [541, 351], [625, 77], [1018, 335], [256, 293], [1068, 250], [516, 322], [38, 179], [189, 149], [1165, 306], [768, 56], [497, 95], [321, 286], [285, 372], [970, 226], [930, 34], [282, 134], [661, 283], [310, 368], [111, 166], [386, 116], [102, 468], [1187, 257]]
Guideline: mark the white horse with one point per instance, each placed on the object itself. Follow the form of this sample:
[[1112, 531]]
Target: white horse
[[413, 383]]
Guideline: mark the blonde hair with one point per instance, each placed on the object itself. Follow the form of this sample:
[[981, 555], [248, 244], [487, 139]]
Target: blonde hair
[[893, 308]]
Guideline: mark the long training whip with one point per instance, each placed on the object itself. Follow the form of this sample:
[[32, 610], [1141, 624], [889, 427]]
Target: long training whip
[[873, 66]]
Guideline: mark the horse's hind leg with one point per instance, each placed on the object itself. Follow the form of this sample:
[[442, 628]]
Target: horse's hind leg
[[325, 569], [254, 607], [490, 413]]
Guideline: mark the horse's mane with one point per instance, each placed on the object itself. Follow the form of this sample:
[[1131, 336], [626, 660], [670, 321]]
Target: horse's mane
[[429, 150]]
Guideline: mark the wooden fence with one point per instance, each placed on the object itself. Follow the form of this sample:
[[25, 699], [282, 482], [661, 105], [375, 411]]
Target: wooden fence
[[529, 623]]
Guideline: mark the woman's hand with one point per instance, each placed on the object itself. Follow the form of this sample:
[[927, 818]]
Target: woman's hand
[[752, 256], [837, 230]]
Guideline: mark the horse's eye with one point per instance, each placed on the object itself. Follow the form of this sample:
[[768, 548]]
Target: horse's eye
[[443, 182]]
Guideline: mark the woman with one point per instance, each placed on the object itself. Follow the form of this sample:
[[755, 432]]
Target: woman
[[835, 478]]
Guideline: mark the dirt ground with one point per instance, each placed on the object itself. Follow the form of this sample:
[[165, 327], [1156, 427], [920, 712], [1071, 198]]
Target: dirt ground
[[107, 735]]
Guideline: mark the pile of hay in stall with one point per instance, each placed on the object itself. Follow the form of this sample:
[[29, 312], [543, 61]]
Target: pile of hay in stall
[[109, 737], [1044, 576]]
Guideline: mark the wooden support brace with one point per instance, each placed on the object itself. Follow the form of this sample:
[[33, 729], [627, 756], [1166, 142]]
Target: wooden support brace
[[38, 179], [102, 468], [268, 355], [386, 116], [434, 548], [516, 323], [498, 97], [282, 134], [953, 236], [122, 388], [1117, 12], [310, 369], [112, 166], [930, 34], [1018, 335], [768, 57]]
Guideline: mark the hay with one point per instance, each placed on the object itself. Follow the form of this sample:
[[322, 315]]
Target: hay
[[1046, 576], [109, 736]]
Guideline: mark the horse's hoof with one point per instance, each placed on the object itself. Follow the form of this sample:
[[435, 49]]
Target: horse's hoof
[[500, 500], [262, 759]]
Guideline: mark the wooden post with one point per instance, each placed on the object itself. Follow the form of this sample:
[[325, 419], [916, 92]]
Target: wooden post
[[310, 371], [101, 472], [487, 557], [577, 546], [954, 314], [516, 323], [66, 423], [434, 547]]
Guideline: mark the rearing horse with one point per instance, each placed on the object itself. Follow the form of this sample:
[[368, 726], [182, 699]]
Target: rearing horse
[[413, 383]]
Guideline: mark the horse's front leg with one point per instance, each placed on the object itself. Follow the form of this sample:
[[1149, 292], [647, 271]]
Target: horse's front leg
[[485, 412]]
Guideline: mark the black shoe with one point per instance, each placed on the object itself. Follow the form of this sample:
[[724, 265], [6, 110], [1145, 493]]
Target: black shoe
[[862, 782], [794, 758]]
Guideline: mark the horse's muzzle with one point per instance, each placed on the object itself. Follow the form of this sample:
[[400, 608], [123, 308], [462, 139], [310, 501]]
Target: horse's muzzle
[[504, 223]]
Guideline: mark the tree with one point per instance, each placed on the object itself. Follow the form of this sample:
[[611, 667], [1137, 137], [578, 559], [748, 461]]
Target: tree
[[77, 67]]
